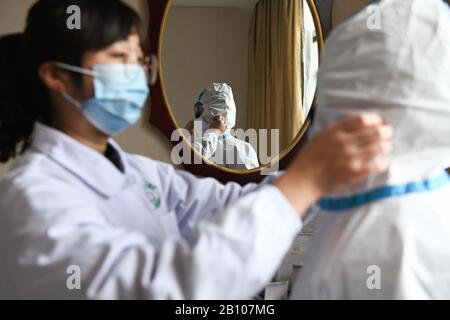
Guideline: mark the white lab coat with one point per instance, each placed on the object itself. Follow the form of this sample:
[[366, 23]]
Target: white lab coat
[[395, 247], [148, 233]]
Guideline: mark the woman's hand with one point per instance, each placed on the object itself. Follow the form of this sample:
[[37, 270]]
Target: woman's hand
[[338, 157]]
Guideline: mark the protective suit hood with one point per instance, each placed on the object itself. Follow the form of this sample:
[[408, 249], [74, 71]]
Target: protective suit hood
[[218, 99], [399, 67]]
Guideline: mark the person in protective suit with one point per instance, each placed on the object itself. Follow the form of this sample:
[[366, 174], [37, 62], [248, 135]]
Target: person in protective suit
[[215, 116], [388, 236]]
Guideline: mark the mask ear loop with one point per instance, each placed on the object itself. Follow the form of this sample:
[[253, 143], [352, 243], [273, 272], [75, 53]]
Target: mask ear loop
[[76, 69], [72, 101]]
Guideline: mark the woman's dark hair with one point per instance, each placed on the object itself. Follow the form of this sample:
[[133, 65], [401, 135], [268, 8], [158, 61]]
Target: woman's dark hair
[[23, 97]]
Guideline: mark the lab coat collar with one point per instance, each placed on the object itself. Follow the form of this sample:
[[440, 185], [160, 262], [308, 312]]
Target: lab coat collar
[[87, 164]]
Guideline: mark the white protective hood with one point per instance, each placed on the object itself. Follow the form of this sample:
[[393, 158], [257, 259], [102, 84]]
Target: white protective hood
[[400, 70], [218, 99]]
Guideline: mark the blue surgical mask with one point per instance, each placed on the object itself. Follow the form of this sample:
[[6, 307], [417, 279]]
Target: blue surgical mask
[[121, 91]]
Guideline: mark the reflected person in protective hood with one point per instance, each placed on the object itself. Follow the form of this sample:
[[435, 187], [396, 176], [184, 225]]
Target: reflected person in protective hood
[[215, 116]]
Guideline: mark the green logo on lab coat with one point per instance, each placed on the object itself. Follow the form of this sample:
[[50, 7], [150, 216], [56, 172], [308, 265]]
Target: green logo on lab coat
[[153, 195]]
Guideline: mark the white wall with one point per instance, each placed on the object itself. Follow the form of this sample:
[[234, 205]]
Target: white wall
[[202, 45], [141, 138]]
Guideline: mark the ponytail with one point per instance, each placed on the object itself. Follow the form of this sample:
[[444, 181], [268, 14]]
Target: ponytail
[[16, 120], [24, 99]]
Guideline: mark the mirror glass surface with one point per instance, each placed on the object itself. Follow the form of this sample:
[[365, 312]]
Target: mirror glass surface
[[240, 76]]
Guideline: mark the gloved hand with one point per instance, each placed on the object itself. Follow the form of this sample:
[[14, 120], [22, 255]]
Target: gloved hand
[[219, 123]]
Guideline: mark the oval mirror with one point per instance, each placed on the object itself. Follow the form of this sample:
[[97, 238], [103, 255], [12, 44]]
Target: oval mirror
[[239, 77]]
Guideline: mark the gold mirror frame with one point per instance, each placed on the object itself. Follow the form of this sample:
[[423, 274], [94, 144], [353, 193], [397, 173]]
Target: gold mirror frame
[[161, 102]]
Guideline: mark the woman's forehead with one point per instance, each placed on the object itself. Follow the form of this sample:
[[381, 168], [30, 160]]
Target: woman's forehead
[[133, 42]]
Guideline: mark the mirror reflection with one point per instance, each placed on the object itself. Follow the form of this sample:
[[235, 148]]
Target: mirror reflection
[[240, 76]]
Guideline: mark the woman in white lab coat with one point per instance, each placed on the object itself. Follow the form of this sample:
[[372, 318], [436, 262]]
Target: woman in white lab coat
[[80, 218]]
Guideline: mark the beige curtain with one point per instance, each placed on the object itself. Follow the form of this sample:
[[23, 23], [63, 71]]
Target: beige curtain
[[275, 71]]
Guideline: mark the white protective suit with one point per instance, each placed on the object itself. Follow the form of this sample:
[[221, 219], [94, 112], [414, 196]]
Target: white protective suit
[[389, 236], [223, 149]]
